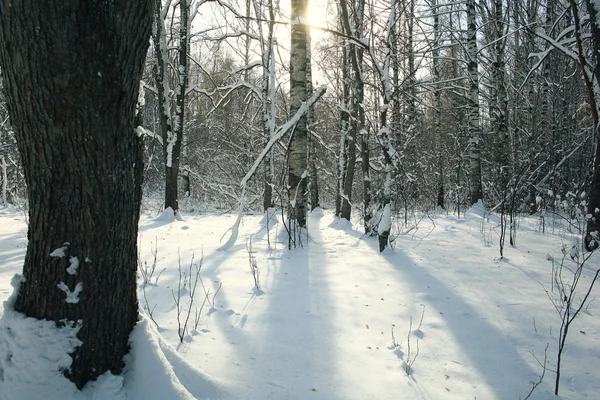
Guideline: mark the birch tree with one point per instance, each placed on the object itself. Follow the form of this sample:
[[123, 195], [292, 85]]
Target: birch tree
[[384, 217], [476, 190], [298, 148]]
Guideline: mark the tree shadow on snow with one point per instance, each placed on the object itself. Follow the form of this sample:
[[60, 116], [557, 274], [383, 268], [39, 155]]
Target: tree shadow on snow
[[505, 371], [289, 349]]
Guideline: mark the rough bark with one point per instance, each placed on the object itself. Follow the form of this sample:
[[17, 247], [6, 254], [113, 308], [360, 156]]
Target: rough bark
[[72, 72]]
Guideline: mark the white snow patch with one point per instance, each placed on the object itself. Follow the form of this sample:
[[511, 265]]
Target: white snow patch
[[168, 216], [477, 209], [72, 296], [386, 219], [269, 218], [172, 377], [317, 212], [72, 270], [33, 355], [61, 252]]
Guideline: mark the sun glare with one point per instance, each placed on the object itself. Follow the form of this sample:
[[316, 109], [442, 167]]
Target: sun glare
[[317, 16]]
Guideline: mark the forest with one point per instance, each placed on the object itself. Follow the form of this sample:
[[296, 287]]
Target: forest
[[414, 152]]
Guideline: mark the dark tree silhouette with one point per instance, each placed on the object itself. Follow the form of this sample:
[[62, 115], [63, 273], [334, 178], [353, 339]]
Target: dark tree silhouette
[[72, 71]]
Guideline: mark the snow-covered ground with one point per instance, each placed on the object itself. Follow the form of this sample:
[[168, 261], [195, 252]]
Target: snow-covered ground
[[333, 320]]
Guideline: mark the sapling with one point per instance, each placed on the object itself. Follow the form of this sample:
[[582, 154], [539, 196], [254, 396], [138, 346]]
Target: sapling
[[541, 377], [189, 278], [147, 272], [410, 356], [568, 297], [253, 264]]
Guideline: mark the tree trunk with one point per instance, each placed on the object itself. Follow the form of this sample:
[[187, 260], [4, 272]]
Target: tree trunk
[[72, 81], [476, 191], [344, 157], [313, 183], [269, 93], [180, 153], [171, 125], [592, 238], [366, 170], [3, 166], [297, 153], [353, 26], [437, 105], [385, 223]]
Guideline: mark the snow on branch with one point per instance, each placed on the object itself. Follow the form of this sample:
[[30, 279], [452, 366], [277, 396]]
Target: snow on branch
[[562, 47], [276, 137]]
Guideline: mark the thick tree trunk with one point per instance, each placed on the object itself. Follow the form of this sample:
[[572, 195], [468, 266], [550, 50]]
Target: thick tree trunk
[[297, 153], [72, 81]]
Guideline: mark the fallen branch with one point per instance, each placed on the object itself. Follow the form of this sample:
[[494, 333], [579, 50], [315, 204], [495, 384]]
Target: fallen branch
[[276, 137]]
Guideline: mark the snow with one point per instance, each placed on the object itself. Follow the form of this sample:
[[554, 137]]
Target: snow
[[168, 216], [72, 296], [33, 354], [72, 269], [61, 252], [385, 224], [321, 327]]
